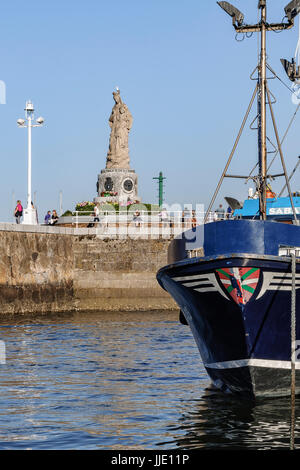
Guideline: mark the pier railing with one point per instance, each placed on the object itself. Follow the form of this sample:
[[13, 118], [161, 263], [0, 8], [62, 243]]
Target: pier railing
[[120, 225], [142, 218], [139, 223]]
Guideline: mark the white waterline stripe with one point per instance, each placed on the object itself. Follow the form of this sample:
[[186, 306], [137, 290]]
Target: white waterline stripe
[[252, 362]]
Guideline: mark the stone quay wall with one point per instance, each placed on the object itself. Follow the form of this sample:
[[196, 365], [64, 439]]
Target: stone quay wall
[[62, 270]]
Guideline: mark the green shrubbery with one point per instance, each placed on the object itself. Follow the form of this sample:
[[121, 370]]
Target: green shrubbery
[[86, 208]]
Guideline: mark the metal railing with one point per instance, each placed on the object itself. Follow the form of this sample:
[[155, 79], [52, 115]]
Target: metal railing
[[173, 219], [142, 217]]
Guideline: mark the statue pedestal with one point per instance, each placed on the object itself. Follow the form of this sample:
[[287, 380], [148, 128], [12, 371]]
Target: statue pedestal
[[117, 185]]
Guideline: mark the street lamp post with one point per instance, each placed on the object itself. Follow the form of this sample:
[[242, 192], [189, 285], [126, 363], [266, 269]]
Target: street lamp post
[[29, 216]]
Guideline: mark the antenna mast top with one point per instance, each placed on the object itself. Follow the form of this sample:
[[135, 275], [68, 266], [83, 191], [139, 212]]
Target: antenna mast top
[[263, 94]]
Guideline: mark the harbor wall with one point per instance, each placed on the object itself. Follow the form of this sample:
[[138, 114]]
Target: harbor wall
[[63, 272]]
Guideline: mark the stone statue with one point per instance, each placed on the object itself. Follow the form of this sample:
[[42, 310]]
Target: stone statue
[[120, 122]]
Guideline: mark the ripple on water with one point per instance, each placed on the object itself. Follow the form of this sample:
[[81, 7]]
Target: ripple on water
[[121, 381]]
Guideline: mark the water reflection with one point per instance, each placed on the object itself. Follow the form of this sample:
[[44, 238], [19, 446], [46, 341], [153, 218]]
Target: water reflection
[[121, 381], [222, 422]]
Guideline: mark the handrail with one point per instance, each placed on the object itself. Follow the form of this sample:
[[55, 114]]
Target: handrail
[[172, 218], [169, 214]]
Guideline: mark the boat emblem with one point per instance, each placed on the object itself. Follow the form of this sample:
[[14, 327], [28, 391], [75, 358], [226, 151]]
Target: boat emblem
[[239, 283]]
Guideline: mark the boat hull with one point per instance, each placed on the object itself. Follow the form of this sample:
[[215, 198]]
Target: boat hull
[[239, 310]]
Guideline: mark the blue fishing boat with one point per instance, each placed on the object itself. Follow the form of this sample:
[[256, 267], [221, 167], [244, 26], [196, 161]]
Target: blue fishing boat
[[239, 296]]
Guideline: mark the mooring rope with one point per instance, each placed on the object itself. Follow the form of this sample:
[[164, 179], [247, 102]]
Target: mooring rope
[[293, 352], [297, 52]]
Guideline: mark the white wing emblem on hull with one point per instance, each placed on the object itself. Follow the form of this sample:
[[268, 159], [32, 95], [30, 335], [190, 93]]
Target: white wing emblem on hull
[[201, 283], [273, 281], [277, 281]]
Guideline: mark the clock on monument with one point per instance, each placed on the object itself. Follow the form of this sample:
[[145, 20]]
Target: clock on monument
[[128, 185], [108, 185]]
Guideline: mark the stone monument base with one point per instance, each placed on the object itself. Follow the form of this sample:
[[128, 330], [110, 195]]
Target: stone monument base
[[117, 186]]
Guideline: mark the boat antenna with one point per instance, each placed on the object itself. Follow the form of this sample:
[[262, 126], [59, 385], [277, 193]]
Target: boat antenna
[[263, 98]]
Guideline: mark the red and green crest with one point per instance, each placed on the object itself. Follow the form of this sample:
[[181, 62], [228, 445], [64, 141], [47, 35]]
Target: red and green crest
[[239, 283]]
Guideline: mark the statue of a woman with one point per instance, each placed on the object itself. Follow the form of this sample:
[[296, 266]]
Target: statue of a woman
[[120, 122]]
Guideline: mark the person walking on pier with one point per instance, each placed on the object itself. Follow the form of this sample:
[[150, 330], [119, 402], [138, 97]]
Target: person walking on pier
[[47, 218], [137, 218], [36, 212], [54, 218], [18, 212], [164, 217], [96, 215], [194, 221]]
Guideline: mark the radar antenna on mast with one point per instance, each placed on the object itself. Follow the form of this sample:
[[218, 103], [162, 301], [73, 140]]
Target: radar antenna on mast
[[292, 69]]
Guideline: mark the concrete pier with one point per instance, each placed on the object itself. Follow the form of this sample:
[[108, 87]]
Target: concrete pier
[[51, 269]]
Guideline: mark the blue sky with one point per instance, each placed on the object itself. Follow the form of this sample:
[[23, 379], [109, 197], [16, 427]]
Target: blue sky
[[181, 72]]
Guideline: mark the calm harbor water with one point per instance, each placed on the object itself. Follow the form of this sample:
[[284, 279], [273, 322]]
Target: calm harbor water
[[122, 381]]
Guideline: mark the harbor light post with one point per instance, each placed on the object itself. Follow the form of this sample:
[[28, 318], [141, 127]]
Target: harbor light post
[[29, 216], [160, 179]]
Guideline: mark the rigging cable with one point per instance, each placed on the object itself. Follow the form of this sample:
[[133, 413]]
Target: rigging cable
[[293, 352], [284, 137], [276, 76], [297, 52]]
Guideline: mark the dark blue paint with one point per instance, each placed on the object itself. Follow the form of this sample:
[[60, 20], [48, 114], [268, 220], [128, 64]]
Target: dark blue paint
[[242, 236], [222, 330], [225, 332]]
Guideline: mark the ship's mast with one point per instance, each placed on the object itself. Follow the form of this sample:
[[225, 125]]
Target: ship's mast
[[262, 133], [263, 99]]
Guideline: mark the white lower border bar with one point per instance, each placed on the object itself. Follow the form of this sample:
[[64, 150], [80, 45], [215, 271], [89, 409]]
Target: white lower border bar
[[252, 362]]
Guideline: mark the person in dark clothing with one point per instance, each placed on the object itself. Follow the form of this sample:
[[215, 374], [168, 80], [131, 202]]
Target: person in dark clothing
[[54, 218], [47, 218]]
